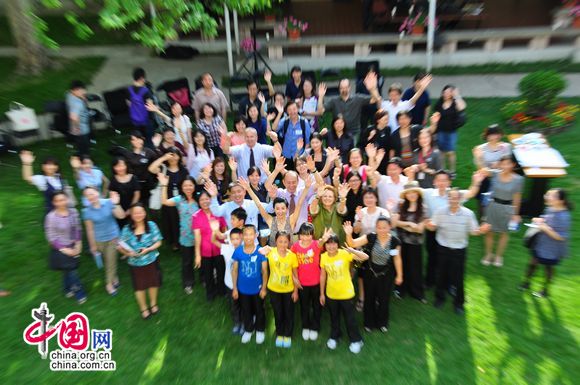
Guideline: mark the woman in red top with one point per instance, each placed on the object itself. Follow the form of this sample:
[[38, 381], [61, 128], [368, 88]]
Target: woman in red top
[[307, 251], [207, 255]]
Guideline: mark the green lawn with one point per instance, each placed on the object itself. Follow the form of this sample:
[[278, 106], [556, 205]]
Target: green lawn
[[34, 91], [506, 336]]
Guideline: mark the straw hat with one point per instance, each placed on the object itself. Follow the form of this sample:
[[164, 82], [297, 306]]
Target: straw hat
[[411, 186]]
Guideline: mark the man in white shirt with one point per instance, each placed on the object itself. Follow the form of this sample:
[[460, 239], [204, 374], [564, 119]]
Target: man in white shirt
[[237, 194], [390, 186]]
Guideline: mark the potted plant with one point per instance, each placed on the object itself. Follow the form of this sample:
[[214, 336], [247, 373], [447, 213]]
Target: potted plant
[[247, 45], [414, 24], [293, 27]]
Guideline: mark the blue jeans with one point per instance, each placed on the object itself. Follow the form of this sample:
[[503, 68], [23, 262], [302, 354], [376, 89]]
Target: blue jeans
[[73, 283], [447, 141]]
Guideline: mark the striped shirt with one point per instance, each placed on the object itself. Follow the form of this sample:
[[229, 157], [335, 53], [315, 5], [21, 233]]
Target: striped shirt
[[62, 231], [453, 228], [211, 130]]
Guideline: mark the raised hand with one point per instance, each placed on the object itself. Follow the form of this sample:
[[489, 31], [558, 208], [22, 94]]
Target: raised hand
[[264, 250], [343, 190], [332, 154], [163, 179], [233, 163], [272, 192], [324, 131], [280, 164], [309, 182], [371, 150], [336, 172], [310, 163], [207, 169], [244, 183], [277, 150], [279, 107], [75, 162], [271, 116], [371, 81], [211, 188], [347, 226], [300, 144], [157, 138], [321, 189], [372, 134], [424, 83], [435, 118], [261, 97], [26, 157], [327, 233], [273, 135], [265, 166], [267, 76], [380, 155], [150, 106], [322, 90], [456, 93], [114, 197], [358, 211], [214, 225]]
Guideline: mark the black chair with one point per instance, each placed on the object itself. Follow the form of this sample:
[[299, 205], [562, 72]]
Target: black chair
[[330, 74], [116, 103], [60, 119], [362, 68], [178, 91]]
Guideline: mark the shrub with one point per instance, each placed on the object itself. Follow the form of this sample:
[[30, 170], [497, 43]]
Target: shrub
[[540, 90]]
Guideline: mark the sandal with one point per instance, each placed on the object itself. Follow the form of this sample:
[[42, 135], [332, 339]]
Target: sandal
[[359, 305], [154, 310], [145, 314], [486, 261]]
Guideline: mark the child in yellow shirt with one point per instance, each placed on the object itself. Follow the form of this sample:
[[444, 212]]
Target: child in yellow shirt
[[337, 291], [283, 285]]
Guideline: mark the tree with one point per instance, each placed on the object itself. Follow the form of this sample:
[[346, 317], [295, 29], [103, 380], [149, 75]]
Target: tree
[[171, 18], [27, 31]]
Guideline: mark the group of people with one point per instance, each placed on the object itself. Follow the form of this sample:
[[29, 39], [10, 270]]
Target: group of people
[[335, 207]]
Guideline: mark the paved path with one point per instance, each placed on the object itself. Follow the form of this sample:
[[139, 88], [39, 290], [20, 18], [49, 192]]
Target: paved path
[[122, 59]]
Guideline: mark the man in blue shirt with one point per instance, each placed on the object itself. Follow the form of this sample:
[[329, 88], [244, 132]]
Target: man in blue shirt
[[420, 113], [249, 281], [290, 130], [78, 111]]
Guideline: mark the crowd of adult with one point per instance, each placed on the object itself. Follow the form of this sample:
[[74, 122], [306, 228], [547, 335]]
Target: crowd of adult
[[279, 206]]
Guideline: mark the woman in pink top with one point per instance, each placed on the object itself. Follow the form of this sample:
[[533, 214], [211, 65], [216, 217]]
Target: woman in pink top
[[307, 251], [207, 255]]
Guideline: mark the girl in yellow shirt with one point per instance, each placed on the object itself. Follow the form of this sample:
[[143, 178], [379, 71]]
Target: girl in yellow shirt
[[283, 285], [337, 291]]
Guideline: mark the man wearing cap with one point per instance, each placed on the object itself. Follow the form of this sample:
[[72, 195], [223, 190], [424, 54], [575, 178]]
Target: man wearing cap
[[454, 224]]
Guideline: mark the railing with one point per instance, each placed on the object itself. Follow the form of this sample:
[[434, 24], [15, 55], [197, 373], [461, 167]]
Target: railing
[[536, 38]]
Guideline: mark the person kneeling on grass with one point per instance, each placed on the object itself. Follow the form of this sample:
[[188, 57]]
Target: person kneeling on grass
[[336, 284], [283, 285], [249, 278]]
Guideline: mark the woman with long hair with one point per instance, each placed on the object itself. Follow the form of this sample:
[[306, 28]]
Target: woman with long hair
[[409, 222], [550, 245], [338, 137], [63, 229], [124, 183], [170, 164], [451, 107], [180, 122], [213, 126], [141, 240], [186, 207], [354, 198], [426, 159], [261, 124], [199, 154], [308, 103]]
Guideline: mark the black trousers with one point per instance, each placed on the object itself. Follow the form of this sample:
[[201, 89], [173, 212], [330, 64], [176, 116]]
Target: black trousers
[[214, 269], [346, 307], [187, 255], [83, 144], [252, 306], [378, 290], [235, 310], [283, 309], [170, 225], [451, 271], [431, 246], [413, 270], [310, 307]]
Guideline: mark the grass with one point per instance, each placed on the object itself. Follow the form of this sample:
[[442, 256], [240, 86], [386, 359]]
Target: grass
[[506, 336], [35, 91], [566, 66], [61, 31]]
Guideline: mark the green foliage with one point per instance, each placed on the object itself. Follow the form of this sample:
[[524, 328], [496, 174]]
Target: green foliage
[[540, 89]]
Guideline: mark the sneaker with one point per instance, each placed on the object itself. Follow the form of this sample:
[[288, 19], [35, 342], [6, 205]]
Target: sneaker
[[188, 290], [355, 347], [242, 330], [246, 337], [279, 342], [524, 286], [82, 300], [305, 334], [69, 294], [287, 342], [397, 294], [313, 335], [331, 344], [236, 329], [540, 294], [260, 336], [384, 329], [368, 330]]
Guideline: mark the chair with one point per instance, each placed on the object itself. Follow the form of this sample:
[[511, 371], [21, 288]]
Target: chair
[[362, 68], [116, 103], [178, 91]]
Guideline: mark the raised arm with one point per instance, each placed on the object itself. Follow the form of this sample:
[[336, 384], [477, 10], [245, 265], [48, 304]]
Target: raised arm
[[423, 84], [320, 102], [155, 167], [359, 242], [154, 108], [267, 217], [118, 211], [460, 104], [27, 158], [360, 256], [268, 80], [301, 199], [342, 192], [476, 180], [279, 168]]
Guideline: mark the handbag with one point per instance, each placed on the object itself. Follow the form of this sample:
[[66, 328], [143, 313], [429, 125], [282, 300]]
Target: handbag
[[531, 237], [60, 261], [22, 117], [155, 198]]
